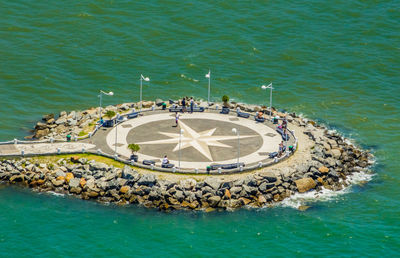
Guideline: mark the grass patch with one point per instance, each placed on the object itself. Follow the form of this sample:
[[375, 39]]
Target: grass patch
[[98, 158], [55, 158], [88, 128]]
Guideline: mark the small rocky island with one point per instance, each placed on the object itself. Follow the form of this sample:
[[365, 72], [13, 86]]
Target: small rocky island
[[323, 159]]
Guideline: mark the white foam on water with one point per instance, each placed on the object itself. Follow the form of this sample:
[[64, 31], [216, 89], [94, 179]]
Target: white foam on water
[[360, 177], [50, 192], [57, 194], [301, 199]]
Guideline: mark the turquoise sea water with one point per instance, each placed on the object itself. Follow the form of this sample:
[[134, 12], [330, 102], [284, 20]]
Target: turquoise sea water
[[334, 61]]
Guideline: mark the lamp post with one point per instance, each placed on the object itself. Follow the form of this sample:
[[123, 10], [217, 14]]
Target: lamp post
[[141, 79], [270, 97], [236, 131], [180, 140], [116, 134], [209, 86], [100, 96], [286, 139]]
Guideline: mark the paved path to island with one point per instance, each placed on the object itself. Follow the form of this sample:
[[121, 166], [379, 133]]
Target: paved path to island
[[44, 148]]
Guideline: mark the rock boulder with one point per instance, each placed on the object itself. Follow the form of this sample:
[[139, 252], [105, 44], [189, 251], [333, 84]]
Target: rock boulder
[[48, 117], [323, 169], [305, 184], [41, 133], [188, 184], [213, 182], [147, 179], [214, 200], [270, 176], [74, 182], [124, 189], [336, 153], [147, 104]]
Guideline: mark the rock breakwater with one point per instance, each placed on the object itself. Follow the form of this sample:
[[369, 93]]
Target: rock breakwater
[[74, 123], [323, 160], [333, 160]]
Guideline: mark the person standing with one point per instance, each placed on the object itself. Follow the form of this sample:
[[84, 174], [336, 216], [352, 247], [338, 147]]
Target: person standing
[[284, 123], [183, 105], [176, 119], [191, 104], [280, 148]]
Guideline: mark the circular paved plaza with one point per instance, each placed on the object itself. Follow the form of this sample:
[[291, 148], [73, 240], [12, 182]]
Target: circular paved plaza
[[207, 139]]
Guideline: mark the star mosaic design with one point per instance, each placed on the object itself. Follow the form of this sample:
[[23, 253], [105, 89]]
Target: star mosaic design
[[198, 140]]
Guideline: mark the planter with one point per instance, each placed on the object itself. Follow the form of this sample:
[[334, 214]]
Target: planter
[[134, 157]]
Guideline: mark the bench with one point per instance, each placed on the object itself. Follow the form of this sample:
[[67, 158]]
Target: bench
[[179, 109], [133, 115], [261, 120], [242, 114], [175, 109], [224, 110], [120, 119], [273, 155], [108, 123], [226, 166], [148, 162], [285, 137], [198, 109], [169, 165]]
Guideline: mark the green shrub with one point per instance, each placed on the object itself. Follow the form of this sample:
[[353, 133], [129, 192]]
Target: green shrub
[[134, 147], [225, 98], [110, 114]]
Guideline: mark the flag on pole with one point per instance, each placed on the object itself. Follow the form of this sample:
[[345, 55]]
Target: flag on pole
[[145, 78], [267, 87], [208, 75]]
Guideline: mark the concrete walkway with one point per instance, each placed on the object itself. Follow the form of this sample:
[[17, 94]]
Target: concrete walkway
[[44, 148], [157, 136]]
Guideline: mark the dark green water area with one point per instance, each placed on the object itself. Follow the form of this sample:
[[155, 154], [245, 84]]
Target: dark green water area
[[333, 61]]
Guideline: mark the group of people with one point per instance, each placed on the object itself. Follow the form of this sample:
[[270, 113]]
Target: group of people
[[186, 101], [283, 125]]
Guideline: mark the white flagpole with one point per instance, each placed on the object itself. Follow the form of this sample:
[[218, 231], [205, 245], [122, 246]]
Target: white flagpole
[[147, 79], [209, 86], [270, 97], [270, 101], [140, 109]]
